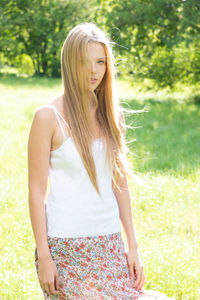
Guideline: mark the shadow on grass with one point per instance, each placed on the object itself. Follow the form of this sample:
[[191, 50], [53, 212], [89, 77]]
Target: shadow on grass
[[168, 138]]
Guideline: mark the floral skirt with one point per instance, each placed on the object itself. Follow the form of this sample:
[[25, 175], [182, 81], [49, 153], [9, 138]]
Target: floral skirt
[[93, 267]]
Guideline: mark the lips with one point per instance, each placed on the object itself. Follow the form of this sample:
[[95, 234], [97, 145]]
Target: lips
[[93, 80]]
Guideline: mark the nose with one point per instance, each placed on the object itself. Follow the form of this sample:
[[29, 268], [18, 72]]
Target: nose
[[93, 68]]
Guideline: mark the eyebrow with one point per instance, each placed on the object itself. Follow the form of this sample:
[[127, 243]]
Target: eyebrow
[[102, 57]]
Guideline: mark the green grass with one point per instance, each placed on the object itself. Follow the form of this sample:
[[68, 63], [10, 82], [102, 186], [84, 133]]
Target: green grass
[[165, 197]]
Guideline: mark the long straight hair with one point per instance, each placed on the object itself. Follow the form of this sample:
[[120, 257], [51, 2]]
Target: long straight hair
[[75, 65]]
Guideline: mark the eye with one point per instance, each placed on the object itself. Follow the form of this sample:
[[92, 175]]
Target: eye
[[101, 61]]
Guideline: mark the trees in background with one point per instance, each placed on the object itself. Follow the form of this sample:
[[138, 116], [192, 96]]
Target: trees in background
[[34, 31], [157, 39]]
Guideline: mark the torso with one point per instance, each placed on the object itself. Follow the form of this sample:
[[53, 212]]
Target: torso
[[57, 138]]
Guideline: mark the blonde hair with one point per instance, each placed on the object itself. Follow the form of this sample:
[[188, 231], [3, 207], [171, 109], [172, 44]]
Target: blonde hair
[[74, 65]]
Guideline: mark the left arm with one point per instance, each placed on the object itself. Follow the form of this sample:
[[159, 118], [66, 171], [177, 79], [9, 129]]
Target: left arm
[[123, 199], [125, 213], [125, 210]]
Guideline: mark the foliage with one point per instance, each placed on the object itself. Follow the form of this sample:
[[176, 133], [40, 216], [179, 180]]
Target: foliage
[[38, 28], [155, 39], [152, 31]]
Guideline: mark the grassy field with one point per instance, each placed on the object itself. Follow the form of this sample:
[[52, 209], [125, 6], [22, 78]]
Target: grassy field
[[165, 196]]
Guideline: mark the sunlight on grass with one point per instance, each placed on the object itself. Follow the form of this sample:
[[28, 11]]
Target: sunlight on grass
[[165, 202], [129, 89]]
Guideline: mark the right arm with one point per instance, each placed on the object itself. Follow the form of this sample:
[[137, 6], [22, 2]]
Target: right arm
[[39, 146], [38, 163]]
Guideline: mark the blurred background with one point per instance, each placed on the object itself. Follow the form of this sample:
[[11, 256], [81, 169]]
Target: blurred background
[[157, 39], [156, 44]]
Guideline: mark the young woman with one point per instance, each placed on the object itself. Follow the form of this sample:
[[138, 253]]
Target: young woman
[[78, 139]]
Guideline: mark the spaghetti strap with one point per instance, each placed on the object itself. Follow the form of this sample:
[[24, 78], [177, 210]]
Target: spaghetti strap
[[48, 105], [57, 114]]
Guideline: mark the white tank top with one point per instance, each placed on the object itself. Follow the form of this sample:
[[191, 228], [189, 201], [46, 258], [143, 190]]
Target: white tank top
[[73, 207]]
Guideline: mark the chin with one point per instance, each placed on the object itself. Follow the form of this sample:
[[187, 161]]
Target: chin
[[94, 87]]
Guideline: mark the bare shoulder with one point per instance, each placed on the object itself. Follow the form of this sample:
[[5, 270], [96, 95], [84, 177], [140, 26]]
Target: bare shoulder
[[43, 122], [58, 103], [46, 114]]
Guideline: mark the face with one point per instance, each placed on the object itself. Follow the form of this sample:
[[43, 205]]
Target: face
[[96, 54]]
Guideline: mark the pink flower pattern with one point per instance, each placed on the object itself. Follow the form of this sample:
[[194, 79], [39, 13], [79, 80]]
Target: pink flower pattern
[[94, 267]]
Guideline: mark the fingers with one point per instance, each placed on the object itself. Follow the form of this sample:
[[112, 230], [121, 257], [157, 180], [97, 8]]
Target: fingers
[[141, 283], [140, 286], [140, 279], [52, 287], [57, 282], [131, 271], [45, 287]]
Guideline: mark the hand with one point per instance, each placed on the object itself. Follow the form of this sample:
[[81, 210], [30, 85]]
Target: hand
[[136, 268], [48, 276]]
